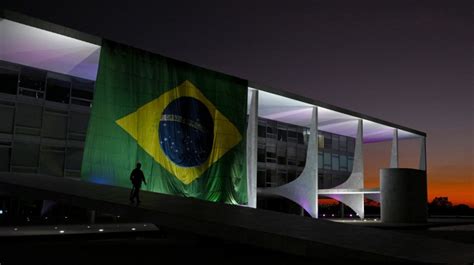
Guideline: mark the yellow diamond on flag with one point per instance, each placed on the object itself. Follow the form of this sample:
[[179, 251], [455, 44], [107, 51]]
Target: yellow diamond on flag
[[194, 133]]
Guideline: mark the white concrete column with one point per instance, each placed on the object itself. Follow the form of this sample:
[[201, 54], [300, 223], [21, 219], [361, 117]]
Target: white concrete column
[[252, 148], [394, 153], [304, 189], [356, 179], [422, 153]]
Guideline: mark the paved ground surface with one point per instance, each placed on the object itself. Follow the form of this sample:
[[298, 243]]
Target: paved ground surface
[[64, 230], [241, 228]]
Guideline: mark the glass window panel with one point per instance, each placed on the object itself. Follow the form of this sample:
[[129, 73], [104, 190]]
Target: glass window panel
[[301, 163], [261, 131], [321, 141], [335, 162], [327, 160], [271, 155], [282, 160], [343, 143], [320, 159], [32, 78], [82, 88], [327, 141], [261, 155], [300, 138], [343, 162], [335, 141], [8, 81], [84, 94], [291, 175], [58, 90], [350, 161], [292, 134], [291, 151], [261, 178], [350, 145], [281, 135]]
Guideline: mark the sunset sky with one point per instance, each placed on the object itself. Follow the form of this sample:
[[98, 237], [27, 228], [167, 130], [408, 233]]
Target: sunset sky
[[408, 62]]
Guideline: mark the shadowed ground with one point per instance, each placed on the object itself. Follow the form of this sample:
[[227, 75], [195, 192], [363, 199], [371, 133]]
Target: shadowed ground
[[226, 228]]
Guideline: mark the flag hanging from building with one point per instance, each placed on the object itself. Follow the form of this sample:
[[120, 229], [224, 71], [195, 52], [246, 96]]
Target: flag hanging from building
[[183, 123]]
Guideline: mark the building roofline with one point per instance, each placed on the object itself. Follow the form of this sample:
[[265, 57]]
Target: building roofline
[[304, 99], [45, 25]]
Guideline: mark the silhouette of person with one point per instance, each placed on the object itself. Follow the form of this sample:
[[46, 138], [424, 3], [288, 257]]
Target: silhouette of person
[[136, 177]]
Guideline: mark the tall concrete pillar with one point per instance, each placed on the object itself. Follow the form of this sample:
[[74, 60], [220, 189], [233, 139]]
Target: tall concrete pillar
[[422, 153], [356, 179], [252, 147], [304, 189], [394, 153]]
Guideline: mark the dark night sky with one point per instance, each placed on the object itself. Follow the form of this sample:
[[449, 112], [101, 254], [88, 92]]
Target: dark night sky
[[408, 62]]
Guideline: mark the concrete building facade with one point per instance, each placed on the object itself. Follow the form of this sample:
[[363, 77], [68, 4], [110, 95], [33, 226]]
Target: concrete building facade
[[298, 148]]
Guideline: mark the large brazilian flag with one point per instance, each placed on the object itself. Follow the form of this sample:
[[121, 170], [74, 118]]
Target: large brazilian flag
[[183, 123]]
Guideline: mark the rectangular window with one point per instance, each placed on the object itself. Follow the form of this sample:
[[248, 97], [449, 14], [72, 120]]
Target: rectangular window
[[291, 175], [82, 92], [281, 135], [8, 81], [282, 178], [291, 151], [343, 143], [261, 155], [271, 155], [335, 162], [282, 160], [58, 90], [327, 160], [31, 78], [350, 162], [292, 137], [321, 181], [320, 160], [320, 141], [350, 145], [343, 162], [271, 173], [261, 131], [327, 141], [335, 141], [301, 163], [261, 178], [300, 138], [292, 134]]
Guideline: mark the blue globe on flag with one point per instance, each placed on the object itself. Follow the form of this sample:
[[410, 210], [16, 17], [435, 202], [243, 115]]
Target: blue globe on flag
[[186, 132]]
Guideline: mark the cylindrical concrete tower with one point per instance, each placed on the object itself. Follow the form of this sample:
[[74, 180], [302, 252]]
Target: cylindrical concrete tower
[[403, 195]]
